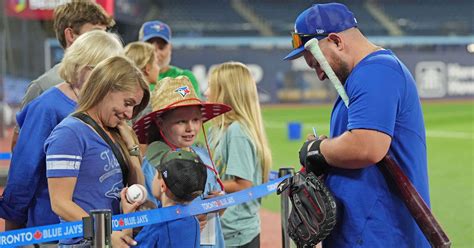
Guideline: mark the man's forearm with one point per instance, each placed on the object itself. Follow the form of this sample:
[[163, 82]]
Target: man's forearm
[[356, 149]]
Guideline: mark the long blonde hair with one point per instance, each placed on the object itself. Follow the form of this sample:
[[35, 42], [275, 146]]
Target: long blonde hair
[[231, 83], [116, 73]]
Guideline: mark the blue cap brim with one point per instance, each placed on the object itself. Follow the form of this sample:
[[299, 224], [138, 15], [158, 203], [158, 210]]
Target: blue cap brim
[[151, 36], [296, 53]]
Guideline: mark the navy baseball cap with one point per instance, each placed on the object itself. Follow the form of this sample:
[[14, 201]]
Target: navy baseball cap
[[318, 22], [155, 29], [184, 174]]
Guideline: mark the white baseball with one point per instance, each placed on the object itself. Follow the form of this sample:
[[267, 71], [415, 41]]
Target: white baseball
[[136, 193]]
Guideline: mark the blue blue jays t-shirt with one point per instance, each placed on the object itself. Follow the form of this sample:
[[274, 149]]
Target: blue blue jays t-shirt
[[74, 149], [383, 97], [178, 233]]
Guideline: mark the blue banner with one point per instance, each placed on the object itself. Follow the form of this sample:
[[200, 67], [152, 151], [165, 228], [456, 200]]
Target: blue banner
[[67, 230]]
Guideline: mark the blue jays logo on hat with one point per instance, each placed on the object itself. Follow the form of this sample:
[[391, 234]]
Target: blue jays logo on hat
[[158, 27], [318, 20], [183, 91]]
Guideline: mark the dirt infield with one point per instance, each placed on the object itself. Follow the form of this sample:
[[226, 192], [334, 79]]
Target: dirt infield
[[271, 229]]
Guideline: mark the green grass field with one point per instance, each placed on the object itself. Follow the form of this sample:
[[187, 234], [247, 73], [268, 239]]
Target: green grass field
[[450, 142]]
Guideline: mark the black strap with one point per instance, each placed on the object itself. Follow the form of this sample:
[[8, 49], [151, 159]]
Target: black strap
[[118, 155]]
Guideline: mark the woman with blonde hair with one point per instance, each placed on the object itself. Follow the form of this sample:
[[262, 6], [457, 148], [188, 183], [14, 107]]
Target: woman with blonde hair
[[145, 58], [240, 146], [27, 188], [86, 169]]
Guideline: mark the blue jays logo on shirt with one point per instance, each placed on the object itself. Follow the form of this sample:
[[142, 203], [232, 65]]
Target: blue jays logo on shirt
[[114, 192], [183, 91]]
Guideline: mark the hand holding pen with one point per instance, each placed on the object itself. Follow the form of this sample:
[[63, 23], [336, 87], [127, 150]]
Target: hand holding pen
[[314, 136], [310, 156]]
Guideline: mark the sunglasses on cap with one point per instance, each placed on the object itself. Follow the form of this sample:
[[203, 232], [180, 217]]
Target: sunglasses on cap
[[299, 39]]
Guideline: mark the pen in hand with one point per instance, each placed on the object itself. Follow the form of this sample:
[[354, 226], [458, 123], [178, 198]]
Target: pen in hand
[[315, 133]]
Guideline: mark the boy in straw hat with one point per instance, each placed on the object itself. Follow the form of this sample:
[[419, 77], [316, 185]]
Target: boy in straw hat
[[174, 124], [180, 179]]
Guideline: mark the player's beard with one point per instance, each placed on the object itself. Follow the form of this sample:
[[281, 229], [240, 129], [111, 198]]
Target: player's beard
[[340, 67]]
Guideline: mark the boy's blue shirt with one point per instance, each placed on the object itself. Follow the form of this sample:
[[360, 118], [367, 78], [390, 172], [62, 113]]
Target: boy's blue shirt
[[178, 233]]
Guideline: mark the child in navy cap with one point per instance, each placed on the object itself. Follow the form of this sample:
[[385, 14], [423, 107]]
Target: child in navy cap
[[180, 179]]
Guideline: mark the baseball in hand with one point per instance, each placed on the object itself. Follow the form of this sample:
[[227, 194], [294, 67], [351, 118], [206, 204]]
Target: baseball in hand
[[136, 193]]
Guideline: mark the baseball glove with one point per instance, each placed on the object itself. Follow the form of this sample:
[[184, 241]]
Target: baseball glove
[[313, 214]]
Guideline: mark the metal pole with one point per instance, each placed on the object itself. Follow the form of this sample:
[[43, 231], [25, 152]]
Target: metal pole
[[285, 209], [102, 227]]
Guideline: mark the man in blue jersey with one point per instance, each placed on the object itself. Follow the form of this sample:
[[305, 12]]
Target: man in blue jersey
[[384, 116]]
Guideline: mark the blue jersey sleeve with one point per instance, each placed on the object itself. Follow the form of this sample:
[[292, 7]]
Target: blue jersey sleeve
[[150, 236], [28, 161], [64, 152], [375, 92]]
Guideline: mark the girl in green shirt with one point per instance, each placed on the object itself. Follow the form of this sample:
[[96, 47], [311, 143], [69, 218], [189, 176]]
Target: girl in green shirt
[[241, 150]]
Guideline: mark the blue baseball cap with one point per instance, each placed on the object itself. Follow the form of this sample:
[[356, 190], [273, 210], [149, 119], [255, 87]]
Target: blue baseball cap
[[317, 22], [155, 29]]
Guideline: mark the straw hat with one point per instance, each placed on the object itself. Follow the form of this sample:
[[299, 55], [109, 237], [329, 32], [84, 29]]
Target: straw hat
[[172, 93]]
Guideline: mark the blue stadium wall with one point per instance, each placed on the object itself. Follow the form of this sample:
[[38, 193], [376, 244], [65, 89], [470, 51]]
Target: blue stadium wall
[[443, 67]]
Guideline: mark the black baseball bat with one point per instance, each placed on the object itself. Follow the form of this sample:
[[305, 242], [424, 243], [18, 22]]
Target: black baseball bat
[[415, 204]]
